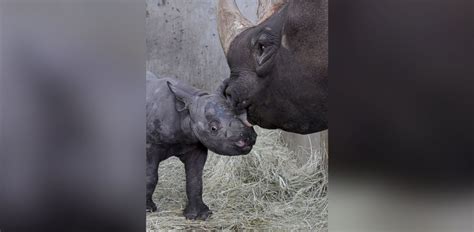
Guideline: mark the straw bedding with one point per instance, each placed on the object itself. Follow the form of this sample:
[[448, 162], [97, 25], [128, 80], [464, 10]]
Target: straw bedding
[[265, 190]]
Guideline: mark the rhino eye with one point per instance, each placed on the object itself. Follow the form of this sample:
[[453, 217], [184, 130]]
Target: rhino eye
[[261, 49], [264, 48], [214, 127]]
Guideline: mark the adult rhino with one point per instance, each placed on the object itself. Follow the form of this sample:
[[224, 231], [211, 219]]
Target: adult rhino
[[278, 66]]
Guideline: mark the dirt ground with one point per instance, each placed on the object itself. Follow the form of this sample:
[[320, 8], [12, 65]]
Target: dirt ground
[[265, 190]]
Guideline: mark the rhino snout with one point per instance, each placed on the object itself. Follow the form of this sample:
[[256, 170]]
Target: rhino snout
[[246, 140]]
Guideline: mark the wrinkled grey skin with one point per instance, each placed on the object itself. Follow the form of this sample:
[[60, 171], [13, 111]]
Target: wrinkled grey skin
[[279, 69], [185, 122]]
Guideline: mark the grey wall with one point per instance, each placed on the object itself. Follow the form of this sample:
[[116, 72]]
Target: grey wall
[[182, 42]]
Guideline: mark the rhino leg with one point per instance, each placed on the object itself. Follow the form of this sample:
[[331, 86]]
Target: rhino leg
[[194, 164], [152, 163]]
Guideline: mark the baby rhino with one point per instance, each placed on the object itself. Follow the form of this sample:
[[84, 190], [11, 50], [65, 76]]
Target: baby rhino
[[185, 122]]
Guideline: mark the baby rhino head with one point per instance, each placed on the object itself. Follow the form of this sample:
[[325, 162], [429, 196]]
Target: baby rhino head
[[214, 122]]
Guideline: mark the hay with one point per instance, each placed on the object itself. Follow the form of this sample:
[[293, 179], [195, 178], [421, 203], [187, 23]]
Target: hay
[[265, 190]]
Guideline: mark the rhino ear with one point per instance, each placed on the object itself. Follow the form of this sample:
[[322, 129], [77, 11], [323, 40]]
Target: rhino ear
[[183, 97]]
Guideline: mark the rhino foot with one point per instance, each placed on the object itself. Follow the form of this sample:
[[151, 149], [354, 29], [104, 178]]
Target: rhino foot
[[201, 212], [150, 207]]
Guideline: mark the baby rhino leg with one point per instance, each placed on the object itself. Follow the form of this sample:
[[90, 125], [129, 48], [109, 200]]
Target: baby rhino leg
[[194, 163], [152, 162]]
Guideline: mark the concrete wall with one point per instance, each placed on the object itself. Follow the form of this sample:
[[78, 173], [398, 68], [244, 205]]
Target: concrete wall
[[182, 42]]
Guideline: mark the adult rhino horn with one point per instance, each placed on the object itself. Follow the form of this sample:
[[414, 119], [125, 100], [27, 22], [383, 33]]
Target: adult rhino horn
[[230, 22], [266, 8]]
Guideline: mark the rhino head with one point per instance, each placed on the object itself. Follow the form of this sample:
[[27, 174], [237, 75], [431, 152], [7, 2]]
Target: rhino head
[[213, 122], [278, 66]]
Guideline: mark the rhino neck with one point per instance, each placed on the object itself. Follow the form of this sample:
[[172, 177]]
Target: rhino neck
[[187, 127]]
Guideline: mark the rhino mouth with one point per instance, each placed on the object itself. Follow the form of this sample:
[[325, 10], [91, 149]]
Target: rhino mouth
[[243, 146], [245, 150]]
